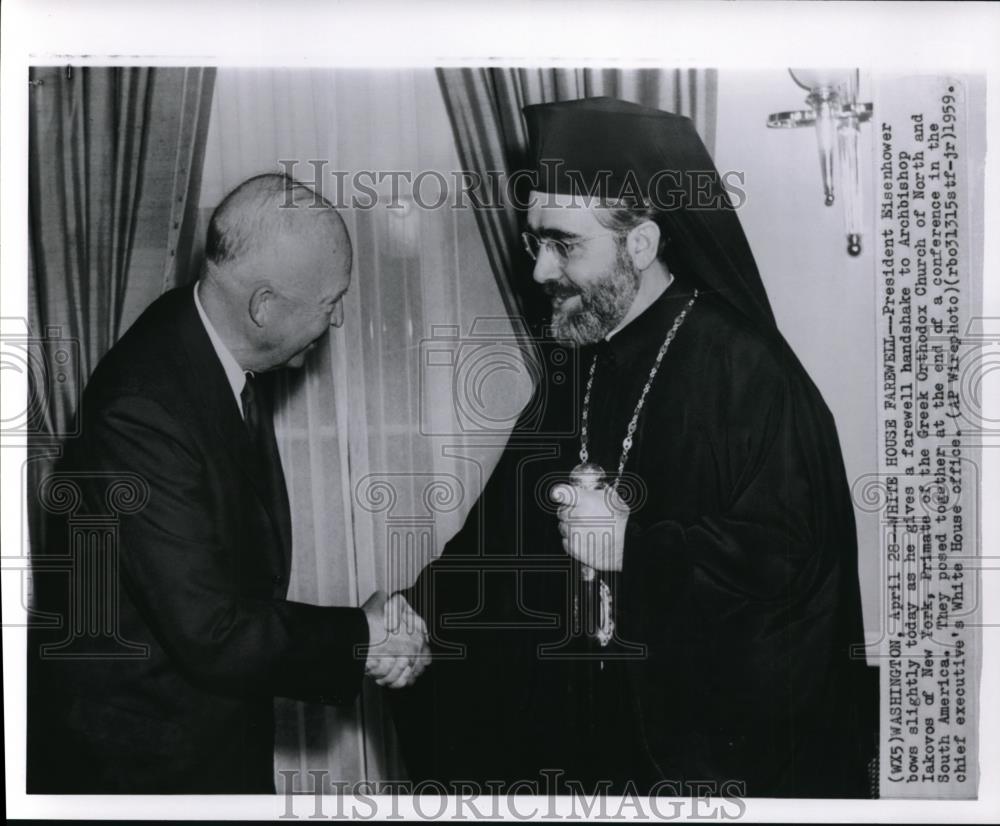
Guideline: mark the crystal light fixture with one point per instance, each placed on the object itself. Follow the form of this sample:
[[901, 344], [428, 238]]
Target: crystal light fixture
[[835, 112]]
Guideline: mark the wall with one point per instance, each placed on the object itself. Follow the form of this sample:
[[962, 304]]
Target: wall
[[824, 299]]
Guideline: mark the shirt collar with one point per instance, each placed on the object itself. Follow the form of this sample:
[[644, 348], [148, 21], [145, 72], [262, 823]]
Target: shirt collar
[[234, 373]]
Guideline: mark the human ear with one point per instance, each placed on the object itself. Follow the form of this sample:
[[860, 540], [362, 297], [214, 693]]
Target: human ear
[[260, 305], [642, 243]]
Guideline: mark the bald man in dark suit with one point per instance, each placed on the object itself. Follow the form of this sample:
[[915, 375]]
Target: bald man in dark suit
[[180, 406]]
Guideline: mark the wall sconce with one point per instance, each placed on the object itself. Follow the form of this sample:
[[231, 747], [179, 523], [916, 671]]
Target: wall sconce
[[837, 115]]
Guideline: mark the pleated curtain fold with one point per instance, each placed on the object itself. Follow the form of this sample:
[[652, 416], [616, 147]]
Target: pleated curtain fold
[[114, 158], [485, 104]]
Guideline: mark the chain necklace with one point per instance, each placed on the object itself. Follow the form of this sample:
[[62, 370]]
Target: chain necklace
[[591, 476]]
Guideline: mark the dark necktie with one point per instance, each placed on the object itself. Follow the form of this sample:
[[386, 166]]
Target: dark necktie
[[260, 428], [250, 413]]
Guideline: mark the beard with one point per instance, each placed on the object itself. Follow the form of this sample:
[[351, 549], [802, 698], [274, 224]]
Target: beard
[[603, 304]]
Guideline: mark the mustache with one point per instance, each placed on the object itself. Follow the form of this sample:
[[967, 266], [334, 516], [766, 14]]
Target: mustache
[[556, 289]]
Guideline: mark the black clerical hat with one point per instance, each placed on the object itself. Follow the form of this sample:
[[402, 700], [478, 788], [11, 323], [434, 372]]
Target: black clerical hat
[[618, 150]]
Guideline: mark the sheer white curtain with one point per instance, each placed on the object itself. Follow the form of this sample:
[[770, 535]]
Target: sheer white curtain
[[389, 432]]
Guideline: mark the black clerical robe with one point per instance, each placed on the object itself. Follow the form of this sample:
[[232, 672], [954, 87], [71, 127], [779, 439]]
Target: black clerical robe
[[735, 609]]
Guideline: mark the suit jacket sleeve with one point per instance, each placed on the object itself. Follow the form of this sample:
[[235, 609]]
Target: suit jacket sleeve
[[182, 577]]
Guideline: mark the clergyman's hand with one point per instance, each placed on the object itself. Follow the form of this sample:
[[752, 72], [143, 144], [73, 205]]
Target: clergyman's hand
[[592, 525], [397, 641]]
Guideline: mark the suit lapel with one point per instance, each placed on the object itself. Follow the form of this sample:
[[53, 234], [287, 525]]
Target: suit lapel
[[212, 398]]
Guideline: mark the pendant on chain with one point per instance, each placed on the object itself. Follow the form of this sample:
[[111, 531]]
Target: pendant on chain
[[590, 476]]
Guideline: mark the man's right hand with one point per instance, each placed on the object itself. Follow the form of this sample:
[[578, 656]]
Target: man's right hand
[[397, 641]]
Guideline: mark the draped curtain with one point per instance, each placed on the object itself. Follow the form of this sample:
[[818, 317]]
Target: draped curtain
[[484, 106], [88, 130], [390, 431], [114, 157], [380, 472], [403, 401]]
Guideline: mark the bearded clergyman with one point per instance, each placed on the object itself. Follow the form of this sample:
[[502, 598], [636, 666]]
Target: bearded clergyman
[[658, 587]]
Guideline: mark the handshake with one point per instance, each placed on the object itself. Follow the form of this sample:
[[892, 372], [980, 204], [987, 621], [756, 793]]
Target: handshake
[[397, 641]]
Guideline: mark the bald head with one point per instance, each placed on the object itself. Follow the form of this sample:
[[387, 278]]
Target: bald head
[[266, 210], [277, 262]]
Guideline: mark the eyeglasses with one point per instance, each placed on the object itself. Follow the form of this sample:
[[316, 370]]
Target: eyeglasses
[[533, 244]]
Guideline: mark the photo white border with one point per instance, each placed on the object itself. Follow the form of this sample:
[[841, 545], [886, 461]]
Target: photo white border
[[929, 36]]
